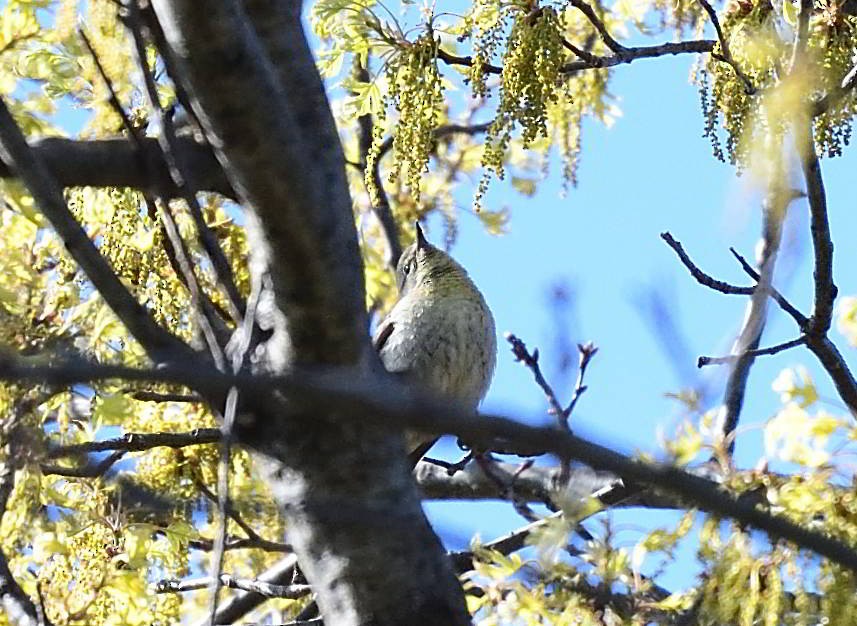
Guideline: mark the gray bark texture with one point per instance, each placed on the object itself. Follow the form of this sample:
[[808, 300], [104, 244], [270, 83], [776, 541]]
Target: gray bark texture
[[353, 512]]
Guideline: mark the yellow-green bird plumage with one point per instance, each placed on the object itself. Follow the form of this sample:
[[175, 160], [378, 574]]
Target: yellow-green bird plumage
[[440, 334]]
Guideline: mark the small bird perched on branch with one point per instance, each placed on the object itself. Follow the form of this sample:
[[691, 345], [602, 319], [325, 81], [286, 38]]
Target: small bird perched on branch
[[440, 333]]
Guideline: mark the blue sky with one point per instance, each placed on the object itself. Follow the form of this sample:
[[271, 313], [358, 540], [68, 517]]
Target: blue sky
[[652, 171]]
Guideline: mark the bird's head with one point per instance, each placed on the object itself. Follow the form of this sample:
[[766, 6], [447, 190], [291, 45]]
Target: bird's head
[[424, 266]]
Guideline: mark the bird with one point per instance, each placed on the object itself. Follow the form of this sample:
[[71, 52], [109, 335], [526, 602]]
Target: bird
[[440, 333]]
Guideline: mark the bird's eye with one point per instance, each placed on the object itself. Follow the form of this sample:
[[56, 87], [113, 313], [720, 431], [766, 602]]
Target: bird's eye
[[409, 266]]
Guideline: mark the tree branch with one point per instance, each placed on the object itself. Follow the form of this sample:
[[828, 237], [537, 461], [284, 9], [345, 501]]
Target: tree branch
[[239, 605], [701, 277], [136, 442], [756, 315], [720, 360], [822, 244], [801, 319], [387, 403], [183, 180], [597, 22], [266, 589], [824, 349], [282, 153], [627, 55], [115, 163]]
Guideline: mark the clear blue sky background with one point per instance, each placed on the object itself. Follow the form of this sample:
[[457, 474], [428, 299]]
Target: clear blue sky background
[[651, 172]]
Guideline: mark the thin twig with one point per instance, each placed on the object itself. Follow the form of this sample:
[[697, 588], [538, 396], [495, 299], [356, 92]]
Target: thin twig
[[137, 442], [113, 98], [252, 536], [801, 319], [241, 543], [780, 347], [451, 468], [176, 250], [442, 131], [522, 355], [226, 430], [598, 23], [268, 590], [507, 488], [701, 277], [583, 55], [155, 396], [231, 611], [587, 351], [92, 470], [182, 254]]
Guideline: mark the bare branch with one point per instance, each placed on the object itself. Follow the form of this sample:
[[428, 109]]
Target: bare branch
[[824, 349], [586, 351], [785, 305], [155, 396], [175, 249], [236, 607], [116, 163], [441, 132], [531, 361], [822, 244], [136, 442], [596, 21], [384, 401], [835, 365], [269, 590], [223, 505], [701, 277], [627, 55], [720, 360], [92, 470]]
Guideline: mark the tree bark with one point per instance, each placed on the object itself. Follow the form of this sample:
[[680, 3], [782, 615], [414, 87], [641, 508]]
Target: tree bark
[[353, 512]]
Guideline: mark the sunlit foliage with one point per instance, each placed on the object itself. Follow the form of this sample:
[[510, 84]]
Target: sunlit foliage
[[480, 94]]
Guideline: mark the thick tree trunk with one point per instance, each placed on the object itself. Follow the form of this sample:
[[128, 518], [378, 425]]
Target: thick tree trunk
[[353, 512]]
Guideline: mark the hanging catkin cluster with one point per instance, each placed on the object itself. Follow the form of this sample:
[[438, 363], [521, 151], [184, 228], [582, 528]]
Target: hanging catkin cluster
[[765, 55], [415, 91], [529, 84]]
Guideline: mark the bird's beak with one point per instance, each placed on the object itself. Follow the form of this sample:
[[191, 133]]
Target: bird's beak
[[422, 242]]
